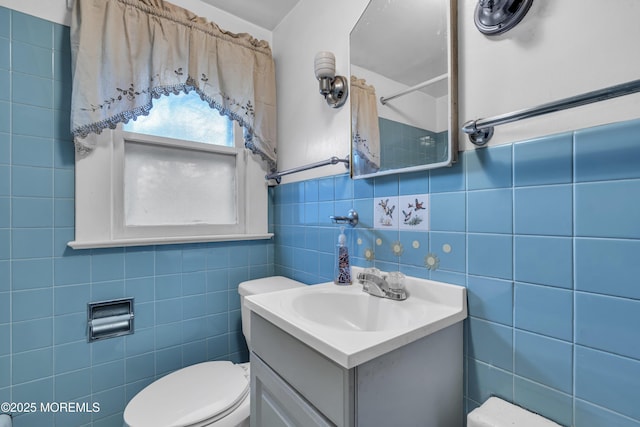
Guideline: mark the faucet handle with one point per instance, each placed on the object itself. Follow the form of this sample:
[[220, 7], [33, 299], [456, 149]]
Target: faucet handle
[[395, 280], [373, 270]]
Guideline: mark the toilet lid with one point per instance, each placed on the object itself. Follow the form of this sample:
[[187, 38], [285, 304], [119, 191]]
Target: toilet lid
[[205, 391]]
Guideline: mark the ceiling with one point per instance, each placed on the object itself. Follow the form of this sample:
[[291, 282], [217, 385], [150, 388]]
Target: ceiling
[[263, 13]]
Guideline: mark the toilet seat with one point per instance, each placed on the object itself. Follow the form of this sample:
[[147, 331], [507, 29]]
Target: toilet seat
[[193, 396]]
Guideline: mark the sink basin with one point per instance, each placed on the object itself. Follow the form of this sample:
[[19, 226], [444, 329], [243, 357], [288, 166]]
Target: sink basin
[[356, 311], [352, 327]]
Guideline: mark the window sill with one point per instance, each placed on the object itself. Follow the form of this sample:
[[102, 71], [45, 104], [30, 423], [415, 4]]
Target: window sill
[[165, 241]]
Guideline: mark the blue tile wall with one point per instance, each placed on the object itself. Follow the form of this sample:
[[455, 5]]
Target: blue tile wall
[[543, 233], [545, 236], [406, 146], [186, 301]]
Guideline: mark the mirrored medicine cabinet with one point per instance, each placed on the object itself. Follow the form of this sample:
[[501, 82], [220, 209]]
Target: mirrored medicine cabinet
[[403, 58]]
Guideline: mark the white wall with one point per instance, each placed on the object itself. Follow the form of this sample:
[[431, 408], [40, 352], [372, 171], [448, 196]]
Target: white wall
[[57, 11], [308, 129], [560, 49]]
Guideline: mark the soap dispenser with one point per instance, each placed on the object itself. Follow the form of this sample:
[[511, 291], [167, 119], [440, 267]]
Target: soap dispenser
[[343, 269]]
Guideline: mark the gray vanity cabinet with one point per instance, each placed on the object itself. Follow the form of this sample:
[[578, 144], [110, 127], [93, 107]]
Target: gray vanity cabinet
[[419, 384]]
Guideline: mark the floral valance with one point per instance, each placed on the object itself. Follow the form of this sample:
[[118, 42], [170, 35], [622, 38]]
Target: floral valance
[[365, 130], [125, 53]]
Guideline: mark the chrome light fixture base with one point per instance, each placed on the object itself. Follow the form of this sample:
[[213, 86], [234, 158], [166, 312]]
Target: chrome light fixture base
[[335, 91], [493, 17]]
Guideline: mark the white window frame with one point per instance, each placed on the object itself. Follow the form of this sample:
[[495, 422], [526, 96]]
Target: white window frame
[[99, 198]]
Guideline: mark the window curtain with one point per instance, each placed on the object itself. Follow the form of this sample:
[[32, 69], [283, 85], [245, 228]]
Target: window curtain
[[125, 53], [365, 131]]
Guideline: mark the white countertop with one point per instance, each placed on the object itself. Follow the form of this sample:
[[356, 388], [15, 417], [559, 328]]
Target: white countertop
[[431, 306]]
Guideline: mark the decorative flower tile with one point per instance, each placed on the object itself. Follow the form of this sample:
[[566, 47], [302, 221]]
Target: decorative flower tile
[[369, 254], [431, 261], [397, 248]]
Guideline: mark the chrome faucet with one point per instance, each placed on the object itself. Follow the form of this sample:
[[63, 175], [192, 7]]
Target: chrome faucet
[[378, 286]]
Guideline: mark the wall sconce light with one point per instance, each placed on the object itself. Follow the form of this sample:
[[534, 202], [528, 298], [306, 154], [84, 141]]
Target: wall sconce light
[[335, 89]]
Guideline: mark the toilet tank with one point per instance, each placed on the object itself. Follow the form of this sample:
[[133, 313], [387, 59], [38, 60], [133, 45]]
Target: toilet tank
[[496, 412], [260, 286]]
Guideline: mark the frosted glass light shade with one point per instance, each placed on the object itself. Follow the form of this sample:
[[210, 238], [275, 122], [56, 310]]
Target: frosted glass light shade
[[325, 65]]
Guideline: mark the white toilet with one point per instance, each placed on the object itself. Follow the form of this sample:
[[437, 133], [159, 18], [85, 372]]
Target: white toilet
[[496, 412], [212, 394]]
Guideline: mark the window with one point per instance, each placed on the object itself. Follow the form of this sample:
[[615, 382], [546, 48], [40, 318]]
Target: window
[[184, 116], [180, 174], [154, 171]]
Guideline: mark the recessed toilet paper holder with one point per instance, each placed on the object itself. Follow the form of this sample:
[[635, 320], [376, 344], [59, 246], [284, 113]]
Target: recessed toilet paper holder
[[109, 319]]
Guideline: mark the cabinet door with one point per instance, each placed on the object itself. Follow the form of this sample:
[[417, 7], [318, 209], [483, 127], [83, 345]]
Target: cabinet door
[[327, 386], [275, 404]]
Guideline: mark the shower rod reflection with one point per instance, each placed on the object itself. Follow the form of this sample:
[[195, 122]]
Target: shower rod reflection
[[480, 131], [277, 176], [385, 99]]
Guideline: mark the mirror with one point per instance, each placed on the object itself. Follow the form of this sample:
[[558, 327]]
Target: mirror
[[405, 52]]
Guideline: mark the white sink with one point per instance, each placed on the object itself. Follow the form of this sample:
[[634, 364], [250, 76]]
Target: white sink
[[332, 307], [351, 327]]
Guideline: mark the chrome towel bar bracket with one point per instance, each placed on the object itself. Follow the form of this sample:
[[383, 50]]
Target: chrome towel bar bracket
[[351, 218], [277, 176], [480, 131]]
